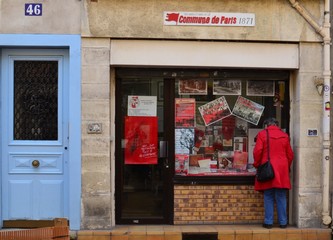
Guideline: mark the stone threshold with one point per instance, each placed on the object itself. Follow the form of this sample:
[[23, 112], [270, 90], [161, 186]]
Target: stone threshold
[[218, 232]]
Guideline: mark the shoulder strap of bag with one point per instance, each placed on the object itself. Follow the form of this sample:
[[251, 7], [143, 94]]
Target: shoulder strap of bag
[[268, 158]]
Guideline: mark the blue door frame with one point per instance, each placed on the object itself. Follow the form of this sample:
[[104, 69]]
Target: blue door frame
[[73, 44]]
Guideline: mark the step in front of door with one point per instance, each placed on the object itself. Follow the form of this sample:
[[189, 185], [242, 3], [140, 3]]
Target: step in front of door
[[57, 222]]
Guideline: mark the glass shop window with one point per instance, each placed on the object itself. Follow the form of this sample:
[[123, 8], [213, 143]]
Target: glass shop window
[[217, 120]]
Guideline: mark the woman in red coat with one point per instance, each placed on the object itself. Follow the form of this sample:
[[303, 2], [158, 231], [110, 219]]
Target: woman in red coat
[[281, 156]]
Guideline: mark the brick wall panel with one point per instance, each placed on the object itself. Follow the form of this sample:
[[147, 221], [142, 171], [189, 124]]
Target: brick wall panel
[[217, 204]]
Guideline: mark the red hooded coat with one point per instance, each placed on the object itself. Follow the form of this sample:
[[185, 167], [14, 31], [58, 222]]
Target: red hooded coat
[[281, 156]]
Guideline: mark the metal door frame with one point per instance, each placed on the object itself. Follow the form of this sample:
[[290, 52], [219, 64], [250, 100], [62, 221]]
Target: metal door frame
[[168, 186]]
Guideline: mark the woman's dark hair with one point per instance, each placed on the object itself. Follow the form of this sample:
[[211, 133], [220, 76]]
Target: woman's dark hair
[[271, 122]]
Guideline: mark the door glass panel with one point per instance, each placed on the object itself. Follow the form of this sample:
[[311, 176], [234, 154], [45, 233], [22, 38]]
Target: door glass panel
[[35, 100], [142, 189]]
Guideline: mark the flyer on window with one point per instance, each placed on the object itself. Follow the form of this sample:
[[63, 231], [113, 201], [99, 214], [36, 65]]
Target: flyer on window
[[142, 106], [181, 164], [184, 140], [185, 112], [215, 110], [141, 140], [248, 110], [240, 160]]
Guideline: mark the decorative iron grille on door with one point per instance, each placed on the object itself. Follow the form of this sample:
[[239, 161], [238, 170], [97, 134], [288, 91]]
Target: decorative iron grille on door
[[35, 100]]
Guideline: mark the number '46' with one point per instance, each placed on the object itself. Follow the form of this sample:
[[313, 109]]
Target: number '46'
[[33, 9]]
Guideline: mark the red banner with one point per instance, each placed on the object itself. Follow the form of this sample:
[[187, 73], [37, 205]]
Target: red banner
[[141, 140]]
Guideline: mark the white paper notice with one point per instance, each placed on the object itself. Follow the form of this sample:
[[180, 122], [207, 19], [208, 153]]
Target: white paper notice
[[142, 106]]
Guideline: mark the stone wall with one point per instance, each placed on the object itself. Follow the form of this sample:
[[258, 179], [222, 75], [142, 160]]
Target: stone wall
[[57, 17], [306, 110], [96, 164], [275, 20]]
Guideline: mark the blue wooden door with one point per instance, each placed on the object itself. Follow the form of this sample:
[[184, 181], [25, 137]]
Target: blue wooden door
[[34, 139]]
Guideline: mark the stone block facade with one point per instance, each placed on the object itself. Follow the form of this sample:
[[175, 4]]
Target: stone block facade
[[96, 147]]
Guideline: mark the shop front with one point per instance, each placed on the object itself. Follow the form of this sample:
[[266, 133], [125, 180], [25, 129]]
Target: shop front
[[156, 106], [177, 93], [185, 131]]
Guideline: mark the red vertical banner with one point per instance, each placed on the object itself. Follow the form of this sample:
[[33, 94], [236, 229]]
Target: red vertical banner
[[141, 140], [228, 127]]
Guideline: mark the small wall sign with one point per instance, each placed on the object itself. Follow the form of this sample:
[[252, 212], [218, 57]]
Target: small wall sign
[[33, 9], [94, 128], [208, 19], [312, 132]]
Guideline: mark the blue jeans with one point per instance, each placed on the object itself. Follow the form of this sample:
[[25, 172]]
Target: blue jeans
[[280, 196]]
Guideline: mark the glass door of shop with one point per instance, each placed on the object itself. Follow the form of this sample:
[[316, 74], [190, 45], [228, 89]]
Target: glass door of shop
[[144, 189]]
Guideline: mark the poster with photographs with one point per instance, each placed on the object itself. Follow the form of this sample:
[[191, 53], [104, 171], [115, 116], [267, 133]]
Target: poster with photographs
[[185, 112], [227, 87], [192, 87], [248, 110], [260, 88], [215, 110]]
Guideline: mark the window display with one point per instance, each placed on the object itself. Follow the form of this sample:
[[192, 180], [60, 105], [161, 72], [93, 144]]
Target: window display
[[216, 122]]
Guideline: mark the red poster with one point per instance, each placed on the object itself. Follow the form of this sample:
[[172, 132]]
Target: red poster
[[240, 160], [228, 127], [184, 112], [215, 110], [141, 140]]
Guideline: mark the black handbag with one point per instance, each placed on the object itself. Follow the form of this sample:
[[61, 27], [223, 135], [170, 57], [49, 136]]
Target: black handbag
[[265, 172]]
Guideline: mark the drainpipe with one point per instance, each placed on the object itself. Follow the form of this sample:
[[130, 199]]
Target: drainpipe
[[324, 32]]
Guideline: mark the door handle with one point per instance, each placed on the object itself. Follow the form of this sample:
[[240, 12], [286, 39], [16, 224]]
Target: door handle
[[163, 149], [163, 153], [35, 163]]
